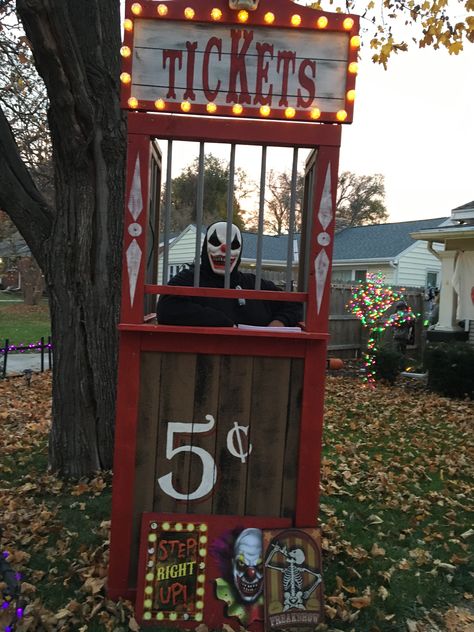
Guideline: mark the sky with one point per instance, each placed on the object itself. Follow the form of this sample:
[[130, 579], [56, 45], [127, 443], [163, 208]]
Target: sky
[[414, 123]]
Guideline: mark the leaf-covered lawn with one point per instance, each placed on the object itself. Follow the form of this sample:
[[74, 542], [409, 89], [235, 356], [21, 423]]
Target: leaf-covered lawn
[[396, 495]]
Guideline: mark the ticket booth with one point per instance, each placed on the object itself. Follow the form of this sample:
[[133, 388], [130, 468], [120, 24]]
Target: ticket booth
[[219, 429]]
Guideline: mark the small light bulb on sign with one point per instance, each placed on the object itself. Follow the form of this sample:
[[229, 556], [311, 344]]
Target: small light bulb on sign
[[265, 110], [162, 10], [125, 78], [125, 51], [132, 103], [348, 24], [322, 22], [237, 108], [211, 108], [189, 13], [341, 115], [290, 112], [186, 106], [216, 14], [136, 8], [269, 17], [243, 16], [295, 20], [128, 25]]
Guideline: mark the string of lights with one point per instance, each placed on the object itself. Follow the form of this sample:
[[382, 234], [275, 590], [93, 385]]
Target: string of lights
[[25, 347], [10, 592]]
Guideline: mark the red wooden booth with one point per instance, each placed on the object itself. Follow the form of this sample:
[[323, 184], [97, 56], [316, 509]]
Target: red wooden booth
[[222, 424]]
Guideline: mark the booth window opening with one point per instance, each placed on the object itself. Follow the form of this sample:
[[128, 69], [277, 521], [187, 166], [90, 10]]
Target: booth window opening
[[258, 188]]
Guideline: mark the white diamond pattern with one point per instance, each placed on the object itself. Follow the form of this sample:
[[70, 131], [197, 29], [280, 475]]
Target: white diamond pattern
[[325, 213], [134, 256], [321, 267], [135, 201]]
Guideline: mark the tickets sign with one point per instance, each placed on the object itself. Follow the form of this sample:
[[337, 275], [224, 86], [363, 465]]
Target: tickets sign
[[246, 70]]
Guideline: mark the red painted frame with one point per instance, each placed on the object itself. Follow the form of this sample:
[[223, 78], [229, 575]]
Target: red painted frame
[[136, 337]]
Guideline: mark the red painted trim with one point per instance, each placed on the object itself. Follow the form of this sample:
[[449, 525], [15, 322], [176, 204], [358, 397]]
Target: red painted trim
[[264, 295], [220, 130], [309, 458], [124, 465]]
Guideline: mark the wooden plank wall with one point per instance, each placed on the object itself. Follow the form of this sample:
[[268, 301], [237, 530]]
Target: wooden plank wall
[[259, 394]]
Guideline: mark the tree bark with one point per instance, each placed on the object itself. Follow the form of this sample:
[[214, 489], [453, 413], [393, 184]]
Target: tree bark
[[78, 245]]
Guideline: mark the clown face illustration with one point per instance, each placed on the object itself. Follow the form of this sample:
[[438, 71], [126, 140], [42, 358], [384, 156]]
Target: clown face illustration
[[250, 5], [247, 565], [217, 248]]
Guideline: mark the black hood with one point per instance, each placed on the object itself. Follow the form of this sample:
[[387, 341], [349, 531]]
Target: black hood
[[206, 265]]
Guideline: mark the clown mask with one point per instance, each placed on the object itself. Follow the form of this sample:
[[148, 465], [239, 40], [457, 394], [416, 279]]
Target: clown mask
[[247, 565], [217, 248]]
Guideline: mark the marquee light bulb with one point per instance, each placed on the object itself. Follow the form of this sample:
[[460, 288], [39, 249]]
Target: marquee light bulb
[[341, 115], [159, 104], [237, 108], [353, 67], [295, 20], [216, 14], [128, 25], [189, 13], [125, 51], [290, 112], [265, 110], [322, 22], [269, 17], [198, 616], [147, 616], [348, 24], [162, 10], [173, 616], [315, 113], [186, 106], [351, 95], [355, 41], [160, 616], [136, 8], [125, 78], [132, 103], [211, 108], [243, 16]]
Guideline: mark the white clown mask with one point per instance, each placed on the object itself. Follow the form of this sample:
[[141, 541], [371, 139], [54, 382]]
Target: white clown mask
[[247, 565], [217, 248]]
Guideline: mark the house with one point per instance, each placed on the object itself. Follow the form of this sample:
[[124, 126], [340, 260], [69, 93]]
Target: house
[[390, 249], [12, 250]]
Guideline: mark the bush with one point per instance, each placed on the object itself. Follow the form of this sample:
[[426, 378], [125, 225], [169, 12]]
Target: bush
[[450, 369], [388, 364]]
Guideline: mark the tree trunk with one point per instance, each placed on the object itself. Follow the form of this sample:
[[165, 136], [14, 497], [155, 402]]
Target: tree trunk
[[32, 281], [78, 245]]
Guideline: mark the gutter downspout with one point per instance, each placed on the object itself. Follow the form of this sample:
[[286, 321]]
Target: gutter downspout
[[432, 250]]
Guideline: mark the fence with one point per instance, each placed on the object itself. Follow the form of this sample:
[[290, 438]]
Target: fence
[[41, 347], [348, 337]]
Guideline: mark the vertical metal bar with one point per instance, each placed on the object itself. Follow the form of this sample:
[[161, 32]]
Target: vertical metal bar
[[199, 213], [49, 352], [291, 222], [230, 215], [261, 211], [42, 354], [166, 231], [4, 371], [309, 225]]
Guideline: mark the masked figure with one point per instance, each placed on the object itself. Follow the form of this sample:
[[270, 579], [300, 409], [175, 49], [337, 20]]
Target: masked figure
[[223, 312]]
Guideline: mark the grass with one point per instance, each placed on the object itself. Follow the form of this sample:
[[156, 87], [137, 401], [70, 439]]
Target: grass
[[20, 323], [395, 513]]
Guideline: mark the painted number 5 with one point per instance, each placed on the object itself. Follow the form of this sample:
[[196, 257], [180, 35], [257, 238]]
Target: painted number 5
[[209, 470]]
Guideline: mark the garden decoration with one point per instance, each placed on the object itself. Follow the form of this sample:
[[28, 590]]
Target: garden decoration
[[370, 303], [12, 606], [218, 429]]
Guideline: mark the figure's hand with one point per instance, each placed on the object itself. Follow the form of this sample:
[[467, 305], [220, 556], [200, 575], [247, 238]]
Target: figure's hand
[[276, 323]]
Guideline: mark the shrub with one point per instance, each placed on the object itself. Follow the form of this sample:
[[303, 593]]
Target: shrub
[[450, 369], [388, 364]]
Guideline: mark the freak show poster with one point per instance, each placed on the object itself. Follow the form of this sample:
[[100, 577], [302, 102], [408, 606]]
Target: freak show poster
[[202, 569], [293, 579]]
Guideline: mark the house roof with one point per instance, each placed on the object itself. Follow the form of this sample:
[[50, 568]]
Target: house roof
[[463, 207], [274, 247], [379, 241]]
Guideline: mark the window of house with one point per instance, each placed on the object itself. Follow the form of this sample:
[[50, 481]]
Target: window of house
[[360, 276], [431, 279], [341, 276]]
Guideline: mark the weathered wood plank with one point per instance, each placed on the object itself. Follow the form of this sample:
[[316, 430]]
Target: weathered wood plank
[[292, 438]]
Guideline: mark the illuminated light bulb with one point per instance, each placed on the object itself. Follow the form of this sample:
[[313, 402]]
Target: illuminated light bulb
[[348, 24], [136, 8], [149, 590], [160, 104], [351, 95], [149, 577], [200, 591], [201, 579], [189, 13], [243, 16], [315, 113], [190, 527], [199, 605], [125, 51], [162, 10], [125, 77], [166, 526], [237, 108], [148, 603], [355, 41], [341, 115], [265, 110], [203, 527], [211, 108], [216, 14], [202, 552], [132, 103], [147, 616], [173, 616], [322, 22], [203, 539], [198, 616], [128, 25], [290, 112], [160, 616], [353, 67], [269, 17], [295, 20], [178, 526], [152, 536], [185, 106]]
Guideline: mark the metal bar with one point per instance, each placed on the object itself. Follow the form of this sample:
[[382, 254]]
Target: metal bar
[[185, 290], [230, 215], [4, 370], [166, 231], [199, 213], [49, 352], [42, 354], [261, 212], [291, 221]]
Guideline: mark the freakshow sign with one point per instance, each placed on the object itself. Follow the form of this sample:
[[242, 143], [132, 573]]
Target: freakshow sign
[[292, 64]]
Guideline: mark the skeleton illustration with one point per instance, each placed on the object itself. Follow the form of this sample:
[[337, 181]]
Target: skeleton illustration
[[294, 593]]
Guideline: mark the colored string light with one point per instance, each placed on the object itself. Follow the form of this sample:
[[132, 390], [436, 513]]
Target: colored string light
[[22, 347]]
